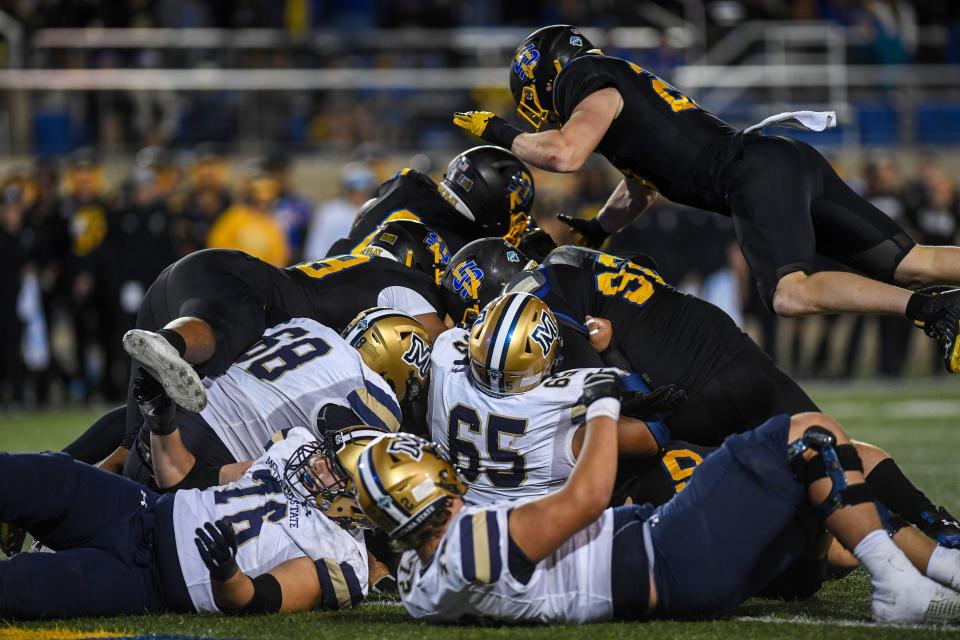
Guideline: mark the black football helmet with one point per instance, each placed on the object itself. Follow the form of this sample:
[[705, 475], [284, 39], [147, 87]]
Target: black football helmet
[[476, 275], [411, 243], [535, 66], [492, 187]]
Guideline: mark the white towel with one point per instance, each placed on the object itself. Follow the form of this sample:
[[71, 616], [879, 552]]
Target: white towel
[[806, 120]]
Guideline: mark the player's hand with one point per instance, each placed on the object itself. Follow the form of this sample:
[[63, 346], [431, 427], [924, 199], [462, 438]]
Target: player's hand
[[590, 233], [601, 333], [217, 545], [649, 405], [156, 407], [11, 538], [601, 385], [487, 125], [536, 244]]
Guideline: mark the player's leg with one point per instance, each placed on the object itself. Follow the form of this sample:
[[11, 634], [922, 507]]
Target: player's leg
[[84, 581], [821, 454], [856, 233], [895, 490], [62, 502]]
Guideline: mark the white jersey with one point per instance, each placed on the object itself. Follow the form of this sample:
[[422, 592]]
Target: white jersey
[[272, 525], [284, 380], [508, 447], [470, 574]]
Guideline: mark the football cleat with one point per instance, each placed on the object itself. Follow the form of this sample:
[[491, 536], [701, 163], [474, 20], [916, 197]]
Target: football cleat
[[921, 600], [177, 377], [942, 527]]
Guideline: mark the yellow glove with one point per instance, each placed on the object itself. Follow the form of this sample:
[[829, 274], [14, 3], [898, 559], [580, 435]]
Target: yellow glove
[[473, 121], [487, 125]]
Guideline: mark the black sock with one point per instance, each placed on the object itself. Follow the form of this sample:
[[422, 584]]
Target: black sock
[[918, 309], [896, 492], [175, 339]]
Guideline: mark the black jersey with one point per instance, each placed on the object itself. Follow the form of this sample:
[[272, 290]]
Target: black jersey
[[656, 480], [660, 136], [334, 290], [667, 336], [409, 195]]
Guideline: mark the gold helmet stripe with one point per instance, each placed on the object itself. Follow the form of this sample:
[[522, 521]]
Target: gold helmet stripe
[[370, 481]]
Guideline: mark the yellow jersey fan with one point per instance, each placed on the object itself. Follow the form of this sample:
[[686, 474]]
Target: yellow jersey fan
[[395, 346], [513, 344], [321, 473], [402, 480]]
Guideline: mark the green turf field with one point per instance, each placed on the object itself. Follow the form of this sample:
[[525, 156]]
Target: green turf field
[[917, 423]]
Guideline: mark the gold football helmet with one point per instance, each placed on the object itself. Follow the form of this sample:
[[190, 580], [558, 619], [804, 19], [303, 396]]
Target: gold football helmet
[[394, 345], [513, 344], [321, 473], [402, 480]]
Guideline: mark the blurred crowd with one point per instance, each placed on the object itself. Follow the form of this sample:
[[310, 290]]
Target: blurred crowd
[[124, 120], [76, 257]]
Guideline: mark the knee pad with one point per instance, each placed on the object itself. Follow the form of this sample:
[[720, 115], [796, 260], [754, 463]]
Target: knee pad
[[831, 461]]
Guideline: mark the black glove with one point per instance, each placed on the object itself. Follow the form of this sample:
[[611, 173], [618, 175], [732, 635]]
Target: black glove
[[156, 407], [386, 585], [590, 230], [218, 549], [647, 405], [11, 538], [487, 125], [601, 384], [536, 244]]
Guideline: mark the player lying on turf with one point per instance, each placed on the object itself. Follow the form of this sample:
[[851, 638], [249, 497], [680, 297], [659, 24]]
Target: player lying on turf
[[486, 191], [787, 203], [670, 338], [284, 537], [566, 557], [300, 374], [208, 308]]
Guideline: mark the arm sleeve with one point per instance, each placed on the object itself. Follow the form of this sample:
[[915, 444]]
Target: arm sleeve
[[578, 80]]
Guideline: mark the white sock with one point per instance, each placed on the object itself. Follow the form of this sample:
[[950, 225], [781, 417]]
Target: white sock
[[944, 567], [882, 558]]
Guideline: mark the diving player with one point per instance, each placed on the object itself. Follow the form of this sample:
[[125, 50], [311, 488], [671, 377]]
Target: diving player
[[787, 203], [300, 374], [511, 426], [284, 537], [567, 558], [206, 309], [486, 191], [669, 338]]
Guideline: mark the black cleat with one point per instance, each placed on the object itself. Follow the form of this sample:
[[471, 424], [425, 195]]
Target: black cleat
[[942, 527], [944, 327]]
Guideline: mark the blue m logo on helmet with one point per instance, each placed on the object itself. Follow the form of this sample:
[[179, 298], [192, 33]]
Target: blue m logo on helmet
[[545, 333]]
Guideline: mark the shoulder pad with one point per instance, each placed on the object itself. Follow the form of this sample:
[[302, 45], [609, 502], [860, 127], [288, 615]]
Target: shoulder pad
[[527, 281], [571, 256]]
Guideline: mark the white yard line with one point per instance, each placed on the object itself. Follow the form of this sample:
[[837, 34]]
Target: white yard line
[[823, 622]]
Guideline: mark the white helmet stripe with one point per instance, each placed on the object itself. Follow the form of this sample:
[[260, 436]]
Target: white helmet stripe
[[371, 316], [500, 341]]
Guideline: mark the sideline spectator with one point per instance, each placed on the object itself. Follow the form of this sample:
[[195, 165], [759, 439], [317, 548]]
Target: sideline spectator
[[252, 227], [291, 210], [206, 200], [334, 218]]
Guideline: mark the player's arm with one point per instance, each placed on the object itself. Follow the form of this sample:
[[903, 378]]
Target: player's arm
[[541, 526], [562, 150], [432, 323], [292, 585], [634, 438]]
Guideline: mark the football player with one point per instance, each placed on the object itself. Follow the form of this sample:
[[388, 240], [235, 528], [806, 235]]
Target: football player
[[284, 537], [567, 557], [788, 204], [512, 426], [668, 338], [486, 191], [206, 309], [300, 374]]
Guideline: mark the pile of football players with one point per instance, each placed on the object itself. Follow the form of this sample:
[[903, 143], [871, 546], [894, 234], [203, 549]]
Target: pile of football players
[[452, 409]]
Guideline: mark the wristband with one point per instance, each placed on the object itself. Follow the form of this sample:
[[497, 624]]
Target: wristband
[[500, 132], [609, 407]]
